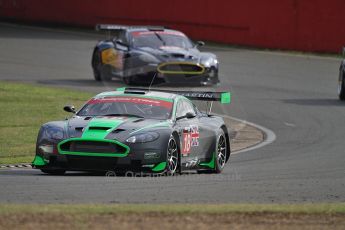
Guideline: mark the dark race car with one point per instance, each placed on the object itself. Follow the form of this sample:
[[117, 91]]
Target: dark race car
[[136, 130], [138, 54], [341, 79]]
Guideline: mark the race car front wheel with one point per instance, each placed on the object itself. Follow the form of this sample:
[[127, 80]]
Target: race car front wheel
[[172, 156]]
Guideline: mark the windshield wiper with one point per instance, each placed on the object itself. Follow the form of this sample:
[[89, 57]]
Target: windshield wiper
[[160, 38], [121, 115]]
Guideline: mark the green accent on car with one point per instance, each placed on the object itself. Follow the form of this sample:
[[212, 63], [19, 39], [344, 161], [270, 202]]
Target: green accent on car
[[159, 124], [124, 154], [39, 161], [91, 130], [210, 164], [122, 89], [160, 167], [225, 98]]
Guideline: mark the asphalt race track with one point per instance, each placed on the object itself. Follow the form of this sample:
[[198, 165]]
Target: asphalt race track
[[292, 95]]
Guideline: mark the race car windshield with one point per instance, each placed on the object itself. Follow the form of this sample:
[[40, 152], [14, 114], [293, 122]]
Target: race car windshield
[[128, 106], [157, 40]]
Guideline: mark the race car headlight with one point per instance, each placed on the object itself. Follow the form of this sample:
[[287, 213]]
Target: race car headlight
[[148, 58], [55, 133], [208, 62], [143, 137], [43, 149]]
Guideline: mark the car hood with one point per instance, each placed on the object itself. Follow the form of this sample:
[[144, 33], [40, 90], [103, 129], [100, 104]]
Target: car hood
[[107, 127], [172, 53]]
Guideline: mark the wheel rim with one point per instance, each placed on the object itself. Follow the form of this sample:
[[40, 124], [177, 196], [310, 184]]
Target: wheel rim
[[221, 151], [172, 156]]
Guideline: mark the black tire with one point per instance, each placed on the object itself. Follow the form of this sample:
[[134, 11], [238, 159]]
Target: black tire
[[105, 74], [97, 75], [218, 167], [341, 86], [95, 62], [221, 151], [173, 157], [54, 171]]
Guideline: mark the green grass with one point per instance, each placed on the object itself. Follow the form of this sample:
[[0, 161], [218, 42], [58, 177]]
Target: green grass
[[332, 208], [24, 108]]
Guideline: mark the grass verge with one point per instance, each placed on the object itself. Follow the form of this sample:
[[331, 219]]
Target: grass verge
[[177, 216], [330, 208], [24, 108]]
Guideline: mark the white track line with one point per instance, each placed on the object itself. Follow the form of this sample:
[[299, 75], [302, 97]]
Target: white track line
[[270, 136]]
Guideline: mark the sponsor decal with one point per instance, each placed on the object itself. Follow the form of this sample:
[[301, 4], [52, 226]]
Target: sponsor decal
[[190, 139], [192, 163], [136, 100], [198, 94]]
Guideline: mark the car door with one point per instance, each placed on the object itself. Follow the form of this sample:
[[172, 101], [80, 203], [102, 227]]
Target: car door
[[189, 133]]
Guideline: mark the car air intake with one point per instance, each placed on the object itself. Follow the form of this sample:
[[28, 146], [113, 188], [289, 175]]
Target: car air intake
[[99, 128], [181, 68], [82, 147]]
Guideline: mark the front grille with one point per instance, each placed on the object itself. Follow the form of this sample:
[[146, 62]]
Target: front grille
[[181, 68], [82, 146]]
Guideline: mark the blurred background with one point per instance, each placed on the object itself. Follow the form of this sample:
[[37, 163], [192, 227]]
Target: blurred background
[[301, 25]]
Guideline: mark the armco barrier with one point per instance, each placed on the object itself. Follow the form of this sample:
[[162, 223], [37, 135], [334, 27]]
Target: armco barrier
[[306, 25]]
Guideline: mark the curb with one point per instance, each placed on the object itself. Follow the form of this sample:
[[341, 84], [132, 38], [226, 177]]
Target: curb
[[22, 165]]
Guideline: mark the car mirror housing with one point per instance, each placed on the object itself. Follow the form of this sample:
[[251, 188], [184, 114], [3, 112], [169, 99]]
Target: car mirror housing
[[121, 45], [200, 43], [69, 108]]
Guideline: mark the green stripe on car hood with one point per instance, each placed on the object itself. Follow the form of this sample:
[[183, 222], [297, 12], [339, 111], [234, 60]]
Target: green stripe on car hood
[[99, 128]]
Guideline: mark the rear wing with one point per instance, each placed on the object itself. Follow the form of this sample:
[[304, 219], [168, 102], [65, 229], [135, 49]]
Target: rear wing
[[222, 97], [111, 27]]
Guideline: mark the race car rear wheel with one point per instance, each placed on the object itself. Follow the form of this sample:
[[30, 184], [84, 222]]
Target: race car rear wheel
[[54, 171], [341, 86], [220, 158], [172, 156]]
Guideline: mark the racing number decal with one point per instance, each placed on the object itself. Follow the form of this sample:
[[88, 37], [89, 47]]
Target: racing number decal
[[190, 138], [186, 142]]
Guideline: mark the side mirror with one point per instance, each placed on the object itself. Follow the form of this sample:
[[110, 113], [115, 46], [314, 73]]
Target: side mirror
[[190, 115], [121, 45], [199, 43], [69, 108], [344, 51]]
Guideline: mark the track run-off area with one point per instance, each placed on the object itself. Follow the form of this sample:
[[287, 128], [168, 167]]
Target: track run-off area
[[292, 96]]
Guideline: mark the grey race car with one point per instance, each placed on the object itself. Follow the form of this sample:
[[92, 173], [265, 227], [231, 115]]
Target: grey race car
[[139, 54], [137, 130]]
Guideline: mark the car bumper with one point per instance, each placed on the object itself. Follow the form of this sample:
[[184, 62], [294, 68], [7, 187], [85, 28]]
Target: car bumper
[[208, 76], [143, 159]]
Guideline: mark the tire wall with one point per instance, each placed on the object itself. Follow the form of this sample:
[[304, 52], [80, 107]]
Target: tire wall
[[305, 25]]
